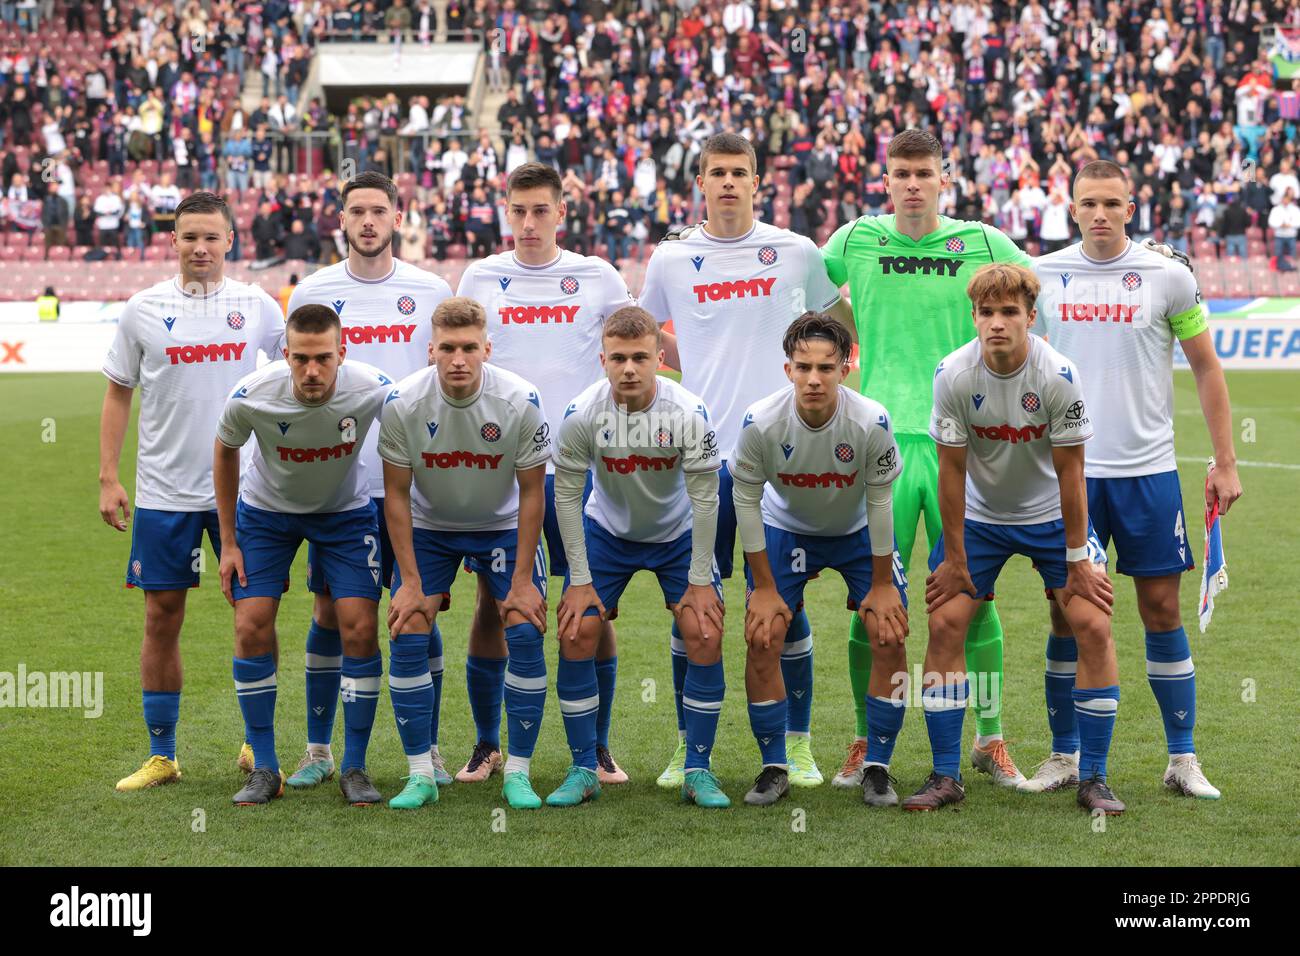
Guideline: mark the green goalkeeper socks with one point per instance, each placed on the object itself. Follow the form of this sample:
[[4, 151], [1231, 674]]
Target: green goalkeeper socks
[[859, 672], [984, 667]]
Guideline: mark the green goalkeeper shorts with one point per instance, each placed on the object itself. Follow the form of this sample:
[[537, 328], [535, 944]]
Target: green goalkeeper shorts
[[916, 494]]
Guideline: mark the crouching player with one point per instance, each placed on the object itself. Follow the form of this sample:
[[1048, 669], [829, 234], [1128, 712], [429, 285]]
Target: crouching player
[[307, 482], [1010, 422], [812, 473], [474, 440], [654, 507]]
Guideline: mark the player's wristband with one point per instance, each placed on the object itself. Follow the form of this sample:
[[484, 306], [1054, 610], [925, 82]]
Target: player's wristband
[[1076, 554]]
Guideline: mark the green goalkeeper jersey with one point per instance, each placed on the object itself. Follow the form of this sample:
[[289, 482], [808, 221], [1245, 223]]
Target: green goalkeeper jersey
[[909, 303]]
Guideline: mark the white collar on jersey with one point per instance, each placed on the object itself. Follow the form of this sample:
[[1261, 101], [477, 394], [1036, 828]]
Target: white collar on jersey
[[356, 278], [704, 231], [1128, 247], [176, 280], [523, 265]]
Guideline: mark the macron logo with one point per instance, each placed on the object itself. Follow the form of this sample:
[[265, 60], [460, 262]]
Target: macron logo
[[433, 428], [284, 427], [1065, 373], [978, 400], [697, 261], [169, 321], [788, 449], [338, 306], [75, 909], [505, 283]]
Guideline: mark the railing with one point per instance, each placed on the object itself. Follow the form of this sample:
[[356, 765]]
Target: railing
[[361, 35]]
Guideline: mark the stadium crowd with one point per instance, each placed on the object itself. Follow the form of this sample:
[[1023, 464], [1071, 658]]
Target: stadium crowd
[[111, 111]]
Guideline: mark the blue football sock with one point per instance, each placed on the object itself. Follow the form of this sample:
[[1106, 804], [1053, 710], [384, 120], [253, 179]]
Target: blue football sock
[[884, 721], [679, 676], [324, 670], [1095, 709], [359, 689], [702, 701], [483, 678], [435, 673], [767, 719], [525, 688], [945, 710], [255, 688], [162, 709], [411, 690], [1173, 680], [606, 680], [797, 672], [1058, 682], [577, 688]]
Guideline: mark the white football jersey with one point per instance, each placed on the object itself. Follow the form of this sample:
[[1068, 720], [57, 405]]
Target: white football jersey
[[309, 459], [464, 453], [1008, 424], [731, 302], [545, 321], [816, 477], [186, 352], [1117, 321], [638, 460], [387, 323]]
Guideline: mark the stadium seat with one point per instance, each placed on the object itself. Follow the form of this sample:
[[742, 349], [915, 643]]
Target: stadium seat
[[60, 254], [10, 253], [156, 253]]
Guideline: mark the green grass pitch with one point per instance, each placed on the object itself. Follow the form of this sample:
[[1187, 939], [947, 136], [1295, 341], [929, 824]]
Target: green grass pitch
[[63, 608]]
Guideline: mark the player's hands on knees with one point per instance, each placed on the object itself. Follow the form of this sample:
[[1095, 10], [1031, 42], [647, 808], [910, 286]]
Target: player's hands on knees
[[112, 498], [1223, 484], [767, 618], [407, 604], [883, 615], [232, 565], [947, 581], [575, 601], [708, 608], [1088, 581], [527, 601]]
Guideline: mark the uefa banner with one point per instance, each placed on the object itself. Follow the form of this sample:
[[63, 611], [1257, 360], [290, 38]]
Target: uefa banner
[[78, 343]]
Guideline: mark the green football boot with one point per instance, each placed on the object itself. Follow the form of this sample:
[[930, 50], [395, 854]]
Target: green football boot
[[701, 788], [311, 771], [803, 769], [418, 791], [519, 793], [674, 776], [580, 785]]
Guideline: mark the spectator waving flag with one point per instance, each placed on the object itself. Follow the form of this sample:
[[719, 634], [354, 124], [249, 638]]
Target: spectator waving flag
[[1214, 572]]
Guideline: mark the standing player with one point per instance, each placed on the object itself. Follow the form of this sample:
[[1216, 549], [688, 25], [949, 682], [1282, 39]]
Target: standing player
[[306, 482], [185, 342], [475, 441], [545, 307], [384, 306], [907, 276], [1114, 309], [1010, 421], [731, 287], [813, 470], [655, 508]]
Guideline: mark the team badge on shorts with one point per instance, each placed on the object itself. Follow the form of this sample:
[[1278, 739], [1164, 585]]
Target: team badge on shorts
[[235, 320], [844, 452], [490, 432], [1132, 281], [568, 285], [406, 305], [135, 567], [1029, 402], [767, 255], [664, 438], [956, 244]]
